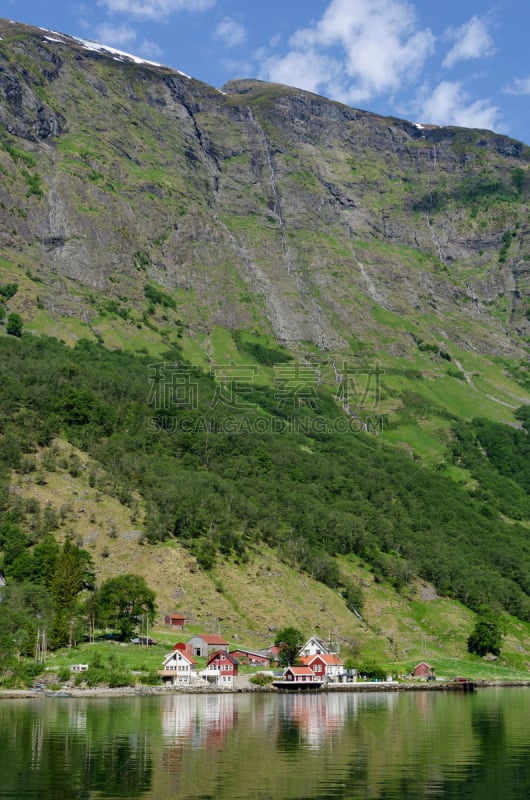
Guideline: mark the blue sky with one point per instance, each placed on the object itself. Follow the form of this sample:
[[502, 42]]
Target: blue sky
[[447, 62]]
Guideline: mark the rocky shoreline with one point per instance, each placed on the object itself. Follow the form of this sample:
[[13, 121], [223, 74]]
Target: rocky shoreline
[[242, 687]]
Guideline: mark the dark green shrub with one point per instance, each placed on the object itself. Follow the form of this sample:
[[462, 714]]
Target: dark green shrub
[[260, 679], [150, 678]]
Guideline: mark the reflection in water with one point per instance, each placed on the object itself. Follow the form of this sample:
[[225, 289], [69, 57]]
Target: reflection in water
[[199, 726], [500, 742], [288, 735], [378, 746], [70, 749]]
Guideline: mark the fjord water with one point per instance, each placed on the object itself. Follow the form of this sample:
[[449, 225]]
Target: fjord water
[[380, 745]]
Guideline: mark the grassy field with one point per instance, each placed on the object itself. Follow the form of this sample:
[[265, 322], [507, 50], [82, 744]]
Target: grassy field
[[144, 660]]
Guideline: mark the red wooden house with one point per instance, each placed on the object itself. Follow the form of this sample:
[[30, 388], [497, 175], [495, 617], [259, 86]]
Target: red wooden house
[[221, 669], [324, 665], [300, 675], [223, 661]]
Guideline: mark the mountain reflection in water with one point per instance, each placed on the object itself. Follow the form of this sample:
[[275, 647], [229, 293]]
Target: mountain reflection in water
[[347, 745]]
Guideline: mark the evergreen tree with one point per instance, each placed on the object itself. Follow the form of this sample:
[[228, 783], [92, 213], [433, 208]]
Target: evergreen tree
[[68, 575], [26, 607], [59, 634], [68, 580]]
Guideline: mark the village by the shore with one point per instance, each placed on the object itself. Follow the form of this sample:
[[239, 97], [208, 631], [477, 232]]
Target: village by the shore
[[317, 666]]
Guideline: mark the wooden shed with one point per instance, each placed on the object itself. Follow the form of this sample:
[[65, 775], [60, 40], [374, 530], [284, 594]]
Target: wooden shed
[[423, 670], [175, 621]]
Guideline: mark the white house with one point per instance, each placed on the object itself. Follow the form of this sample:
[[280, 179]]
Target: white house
[[314, 647], [178, 668]]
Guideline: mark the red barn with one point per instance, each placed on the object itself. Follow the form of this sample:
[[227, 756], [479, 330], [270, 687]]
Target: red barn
[[175, 620], [253, 657]]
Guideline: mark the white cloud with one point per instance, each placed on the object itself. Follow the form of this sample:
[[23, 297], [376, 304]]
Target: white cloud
[[355, 51], [154, 9], [231, 32], [151, 50], [449, 104], [303, 70], [116, 35], [519, 86], [471, 40]]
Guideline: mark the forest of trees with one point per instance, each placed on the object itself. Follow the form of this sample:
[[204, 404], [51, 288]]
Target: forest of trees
[[219, 487], [51, 591]]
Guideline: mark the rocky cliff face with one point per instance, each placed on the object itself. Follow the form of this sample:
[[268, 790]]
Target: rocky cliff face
[[261, 208]]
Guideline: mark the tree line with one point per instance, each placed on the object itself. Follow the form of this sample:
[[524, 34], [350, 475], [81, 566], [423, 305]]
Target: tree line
[[221, 489], [51, 590]]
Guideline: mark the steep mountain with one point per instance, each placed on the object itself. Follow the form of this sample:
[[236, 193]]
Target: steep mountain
[[304, 254], [262, 208], [266, 206]]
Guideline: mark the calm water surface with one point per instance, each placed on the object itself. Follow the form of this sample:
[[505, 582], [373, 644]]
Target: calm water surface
[[347, 745]]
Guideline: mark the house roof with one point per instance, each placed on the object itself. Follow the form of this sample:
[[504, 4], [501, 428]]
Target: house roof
[[181, 653], [246, 651], [330, 659], [176, 616], [300, 670], [313, 640], [211, 638], [227, 656]]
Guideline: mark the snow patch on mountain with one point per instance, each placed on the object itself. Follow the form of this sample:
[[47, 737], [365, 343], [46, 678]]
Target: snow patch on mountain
[[117, 55]]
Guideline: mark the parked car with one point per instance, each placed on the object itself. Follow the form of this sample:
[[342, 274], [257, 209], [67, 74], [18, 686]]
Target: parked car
[[145, 640]]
